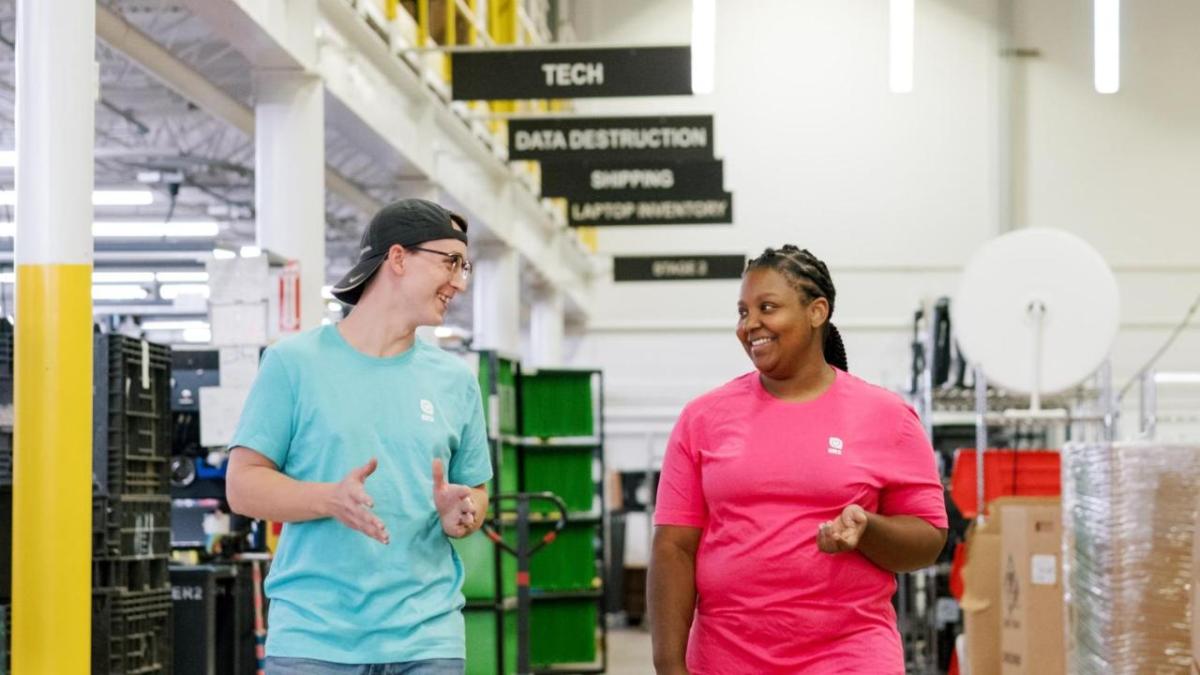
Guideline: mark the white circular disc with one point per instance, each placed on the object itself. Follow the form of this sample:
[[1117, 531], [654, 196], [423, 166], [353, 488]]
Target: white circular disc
[[991, 319]]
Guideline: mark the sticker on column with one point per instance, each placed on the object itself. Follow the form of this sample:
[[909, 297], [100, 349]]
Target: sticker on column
[[1044, 569]]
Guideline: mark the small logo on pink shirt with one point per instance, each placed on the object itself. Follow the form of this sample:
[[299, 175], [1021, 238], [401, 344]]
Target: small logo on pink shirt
[[835, 445]]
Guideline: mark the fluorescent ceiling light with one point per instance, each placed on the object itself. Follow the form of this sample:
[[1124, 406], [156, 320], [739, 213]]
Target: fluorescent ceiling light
[[250, 252], [8, 158], [1177, 378], [168, 324], [8, 277], [99, 198], [443, 332], [122, 277], [140, 229], [172, 291], [901, 24], [197, 335], [327, 292], [119, 292], [223, 254], [178, 228], [182, 277], [704, 47], [1107, 43]]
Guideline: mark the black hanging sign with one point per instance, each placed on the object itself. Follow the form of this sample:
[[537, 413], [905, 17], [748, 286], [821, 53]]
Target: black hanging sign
[[679, 138], [677, 267], [714, 209], [501, 74], [631, 180]]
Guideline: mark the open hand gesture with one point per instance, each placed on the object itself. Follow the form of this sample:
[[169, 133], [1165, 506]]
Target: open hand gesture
[[351, 505], [844, 532], [454, 505]]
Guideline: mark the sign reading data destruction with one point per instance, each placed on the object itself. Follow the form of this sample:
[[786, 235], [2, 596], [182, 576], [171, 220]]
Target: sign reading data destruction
[[632, 180], [649, 211], [677, 267], [681, 138], [497, 74]]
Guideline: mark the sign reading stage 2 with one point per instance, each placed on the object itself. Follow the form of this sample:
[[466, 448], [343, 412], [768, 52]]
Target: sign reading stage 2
[[498, 74], [678, 267]]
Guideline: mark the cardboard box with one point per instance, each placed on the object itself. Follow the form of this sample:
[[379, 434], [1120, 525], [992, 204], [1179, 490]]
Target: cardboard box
[[238, 324], [981, 598], [1196, 594], [236, 280], [1032, 628], [220, 411]]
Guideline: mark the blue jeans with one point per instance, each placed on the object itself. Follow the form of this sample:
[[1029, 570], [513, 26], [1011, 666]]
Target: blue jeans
[[283, 665]]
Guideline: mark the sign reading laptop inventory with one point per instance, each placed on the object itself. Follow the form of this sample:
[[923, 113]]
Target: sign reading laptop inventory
[[498, 74], [716, 209], [677, 267], [677, 138], [631, 180]]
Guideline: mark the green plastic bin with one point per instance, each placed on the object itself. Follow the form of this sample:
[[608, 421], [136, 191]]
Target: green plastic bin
[[506, 389], [563, 630], [557, 403], [482, 640], [478, 557], [565, 471]]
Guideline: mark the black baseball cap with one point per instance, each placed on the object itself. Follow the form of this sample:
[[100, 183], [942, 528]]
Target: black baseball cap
[[407, 222]]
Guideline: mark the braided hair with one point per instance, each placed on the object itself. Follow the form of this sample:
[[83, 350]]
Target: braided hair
[[808, 275]]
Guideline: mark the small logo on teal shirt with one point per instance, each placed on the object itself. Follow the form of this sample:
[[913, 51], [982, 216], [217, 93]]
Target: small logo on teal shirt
[[426, 410]]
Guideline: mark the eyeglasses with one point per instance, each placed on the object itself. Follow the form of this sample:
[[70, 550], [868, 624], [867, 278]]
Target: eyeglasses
[[458, 264]]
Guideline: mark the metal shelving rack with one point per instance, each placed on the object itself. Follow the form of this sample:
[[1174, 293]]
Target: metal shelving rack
[[597, 515]]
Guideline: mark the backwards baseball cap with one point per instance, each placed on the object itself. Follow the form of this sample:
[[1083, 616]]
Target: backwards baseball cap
[[407, 222]]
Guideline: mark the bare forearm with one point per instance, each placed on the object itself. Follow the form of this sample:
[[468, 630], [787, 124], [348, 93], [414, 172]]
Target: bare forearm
[[267, 494], [901, 543], [672, 590]]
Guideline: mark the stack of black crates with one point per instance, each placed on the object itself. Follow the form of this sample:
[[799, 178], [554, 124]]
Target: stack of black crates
[[131, 528], [6, 446]]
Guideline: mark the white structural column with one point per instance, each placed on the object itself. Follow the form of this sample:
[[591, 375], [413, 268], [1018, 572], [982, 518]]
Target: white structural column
[[52, 455], [289, 177], [546, 328], [496, 287]]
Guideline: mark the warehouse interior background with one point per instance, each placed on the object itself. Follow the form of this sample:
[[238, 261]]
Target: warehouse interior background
[[230, 127]]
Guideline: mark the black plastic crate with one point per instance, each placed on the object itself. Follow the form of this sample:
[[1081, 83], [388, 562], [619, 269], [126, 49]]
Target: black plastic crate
[[131, 574], [131, 415], [6, 362], [6, 455], [131, 632], [5, 543], [136, 525], [6, 639]]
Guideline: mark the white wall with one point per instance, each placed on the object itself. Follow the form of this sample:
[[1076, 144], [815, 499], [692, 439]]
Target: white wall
[[895, 191]]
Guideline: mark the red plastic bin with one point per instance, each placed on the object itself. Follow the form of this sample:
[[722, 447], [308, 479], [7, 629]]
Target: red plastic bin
[[1030, 473]]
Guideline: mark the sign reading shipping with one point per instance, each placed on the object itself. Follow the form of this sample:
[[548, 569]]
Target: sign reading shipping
[[662, 211], [677, 267], [501, 74], [632, 180], [679, 138]]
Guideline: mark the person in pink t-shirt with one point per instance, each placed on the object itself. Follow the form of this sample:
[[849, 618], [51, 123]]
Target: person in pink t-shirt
[[788, 500]]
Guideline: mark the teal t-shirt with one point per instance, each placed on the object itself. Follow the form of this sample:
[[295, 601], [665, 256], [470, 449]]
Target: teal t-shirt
[[320, 408]]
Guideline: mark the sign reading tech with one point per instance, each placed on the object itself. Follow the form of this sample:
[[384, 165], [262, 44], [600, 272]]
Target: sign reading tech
[[678, 267], [650, 211], [499, 74], [680, 138], [632, 180]]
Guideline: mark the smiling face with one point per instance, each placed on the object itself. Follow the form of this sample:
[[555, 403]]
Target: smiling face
[[779, 326], [432, 279]]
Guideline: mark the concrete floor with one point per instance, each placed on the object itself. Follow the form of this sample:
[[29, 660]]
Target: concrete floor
[[629, 652]]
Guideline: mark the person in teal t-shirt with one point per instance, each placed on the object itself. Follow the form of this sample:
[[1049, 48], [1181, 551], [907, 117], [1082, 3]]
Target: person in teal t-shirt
[[370, 446]]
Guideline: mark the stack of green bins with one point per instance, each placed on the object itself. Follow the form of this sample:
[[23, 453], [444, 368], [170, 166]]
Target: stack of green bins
[[490, 583], [561, 451]]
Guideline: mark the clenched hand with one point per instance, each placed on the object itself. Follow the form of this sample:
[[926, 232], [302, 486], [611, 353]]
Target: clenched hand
[[844, 532]]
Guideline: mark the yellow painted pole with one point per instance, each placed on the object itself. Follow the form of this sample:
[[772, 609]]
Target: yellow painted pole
[[473, 30], [52, 454], [422, 23], [450, 39], [390, 8]]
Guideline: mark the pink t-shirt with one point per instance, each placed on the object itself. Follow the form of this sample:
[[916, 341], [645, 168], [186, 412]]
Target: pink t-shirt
[[759, 475]]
